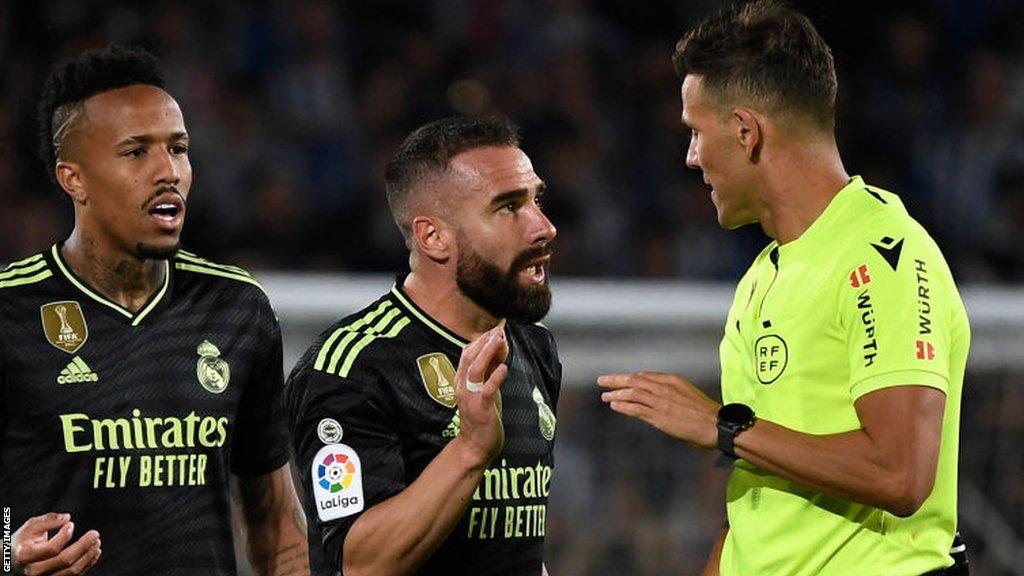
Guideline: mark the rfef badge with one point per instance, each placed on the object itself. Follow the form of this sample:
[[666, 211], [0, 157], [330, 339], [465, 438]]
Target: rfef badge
[[771, 355]]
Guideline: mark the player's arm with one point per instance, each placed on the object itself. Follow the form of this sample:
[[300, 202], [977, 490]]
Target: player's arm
[[395, 536], [712, 568], [275, 529], [35, 552]]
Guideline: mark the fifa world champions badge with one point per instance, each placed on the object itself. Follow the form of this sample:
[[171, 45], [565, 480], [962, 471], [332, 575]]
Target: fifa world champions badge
[[211, 370], [64, 325], [438, 375]]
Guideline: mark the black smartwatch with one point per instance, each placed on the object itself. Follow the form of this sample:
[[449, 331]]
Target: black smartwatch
[[733, 419]]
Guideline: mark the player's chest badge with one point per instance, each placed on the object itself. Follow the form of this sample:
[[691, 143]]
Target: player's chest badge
[[545, 417], [438, 377], [64, 325], [771, 356], [211, 370]]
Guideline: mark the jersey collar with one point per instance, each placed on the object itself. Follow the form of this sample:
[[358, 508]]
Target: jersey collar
[[829, 224], [422, 317], [80, 284]]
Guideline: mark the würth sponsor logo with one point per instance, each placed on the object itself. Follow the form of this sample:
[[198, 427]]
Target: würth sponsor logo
[[867, 318], [925, 350], [860, 277], [924, 301]]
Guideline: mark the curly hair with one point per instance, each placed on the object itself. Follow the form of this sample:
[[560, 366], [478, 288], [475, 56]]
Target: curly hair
[[766, 53], [86, 75]]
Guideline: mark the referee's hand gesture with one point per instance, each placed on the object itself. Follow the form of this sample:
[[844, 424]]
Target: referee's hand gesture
[[478, 380], [667, 402], [36, 552]]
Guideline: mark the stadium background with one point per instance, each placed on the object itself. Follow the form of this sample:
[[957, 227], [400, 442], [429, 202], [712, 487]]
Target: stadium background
[[294, 107]]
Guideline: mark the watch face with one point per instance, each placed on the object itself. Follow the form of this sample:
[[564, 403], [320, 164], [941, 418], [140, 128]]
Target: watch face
[[736, 414]]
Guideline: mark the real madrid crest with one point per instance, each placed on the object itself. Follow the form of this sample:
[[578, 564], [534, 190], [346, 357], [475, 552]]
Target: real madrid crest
[[64, 325], [212, 371], [545, 417], [438, 376]]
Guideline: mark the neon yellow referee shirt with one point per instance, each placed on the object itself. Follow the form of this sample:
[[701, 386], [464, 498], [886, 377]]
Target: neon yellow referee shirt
[[863, 300]]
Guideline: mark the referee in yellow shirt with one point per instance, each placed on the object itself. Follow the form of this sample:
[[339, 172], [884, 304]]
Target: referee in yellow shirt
[[844, 350]]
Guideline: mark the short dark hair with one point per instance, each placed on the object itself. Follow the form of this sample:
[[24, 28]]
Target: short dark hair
[[764, 51], [430, 148], [88, 74]]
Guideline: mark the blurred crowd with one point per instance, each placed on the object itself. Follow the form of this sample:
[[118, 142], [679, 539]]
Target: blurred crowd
[[295, 107]]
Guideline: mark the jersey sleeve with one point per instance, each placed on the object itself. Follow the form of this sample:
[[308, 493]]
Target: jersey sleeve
[[896, 313], [259, 445], [347, 450]]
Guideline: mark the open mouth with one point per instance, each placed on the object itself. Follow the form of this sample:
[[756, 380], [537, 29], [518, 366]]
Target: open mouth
[[536, 270], [168, 210], [165, 211]]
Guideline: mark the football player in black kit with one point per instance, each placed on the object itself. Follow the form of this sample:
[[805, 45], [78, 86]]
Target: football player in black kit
[[423, 425], [136, 379]]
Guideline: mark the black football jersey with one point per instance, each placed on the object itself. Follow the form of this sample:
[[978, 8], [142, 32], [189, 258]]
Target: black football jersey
[[372, 403], [131, 422]]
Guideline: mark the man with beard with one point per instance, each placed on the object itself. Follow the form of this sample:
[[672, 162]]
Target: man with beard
[[410, 465], [135, 379]]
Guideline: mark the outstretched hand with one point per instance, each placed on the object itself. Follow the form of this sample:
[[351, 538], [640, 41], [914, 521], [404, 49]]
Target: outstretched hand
[[668, 402]]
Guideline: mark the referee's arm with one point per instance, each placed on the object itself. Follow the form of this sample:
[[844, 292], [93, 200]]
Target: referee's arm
[[888, 463]]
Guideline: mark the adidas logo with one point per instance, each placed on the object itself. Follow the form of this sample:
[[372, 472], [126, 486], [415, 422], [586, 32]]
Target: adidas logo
[[453, 427], [77, 371]]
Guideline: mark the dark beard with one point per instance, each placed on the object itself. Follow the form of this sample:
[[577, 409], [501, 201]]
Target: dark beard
[[150, 252], [498, 292]]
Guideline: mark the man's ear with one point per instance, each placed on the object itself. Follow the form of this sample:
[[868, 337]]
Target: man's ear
[[432, 237], [69, 176], [749, 132]]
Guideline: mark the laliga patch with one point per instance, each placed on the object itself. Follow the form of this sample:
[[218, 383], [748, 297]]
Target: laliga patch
[[337, 482]]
